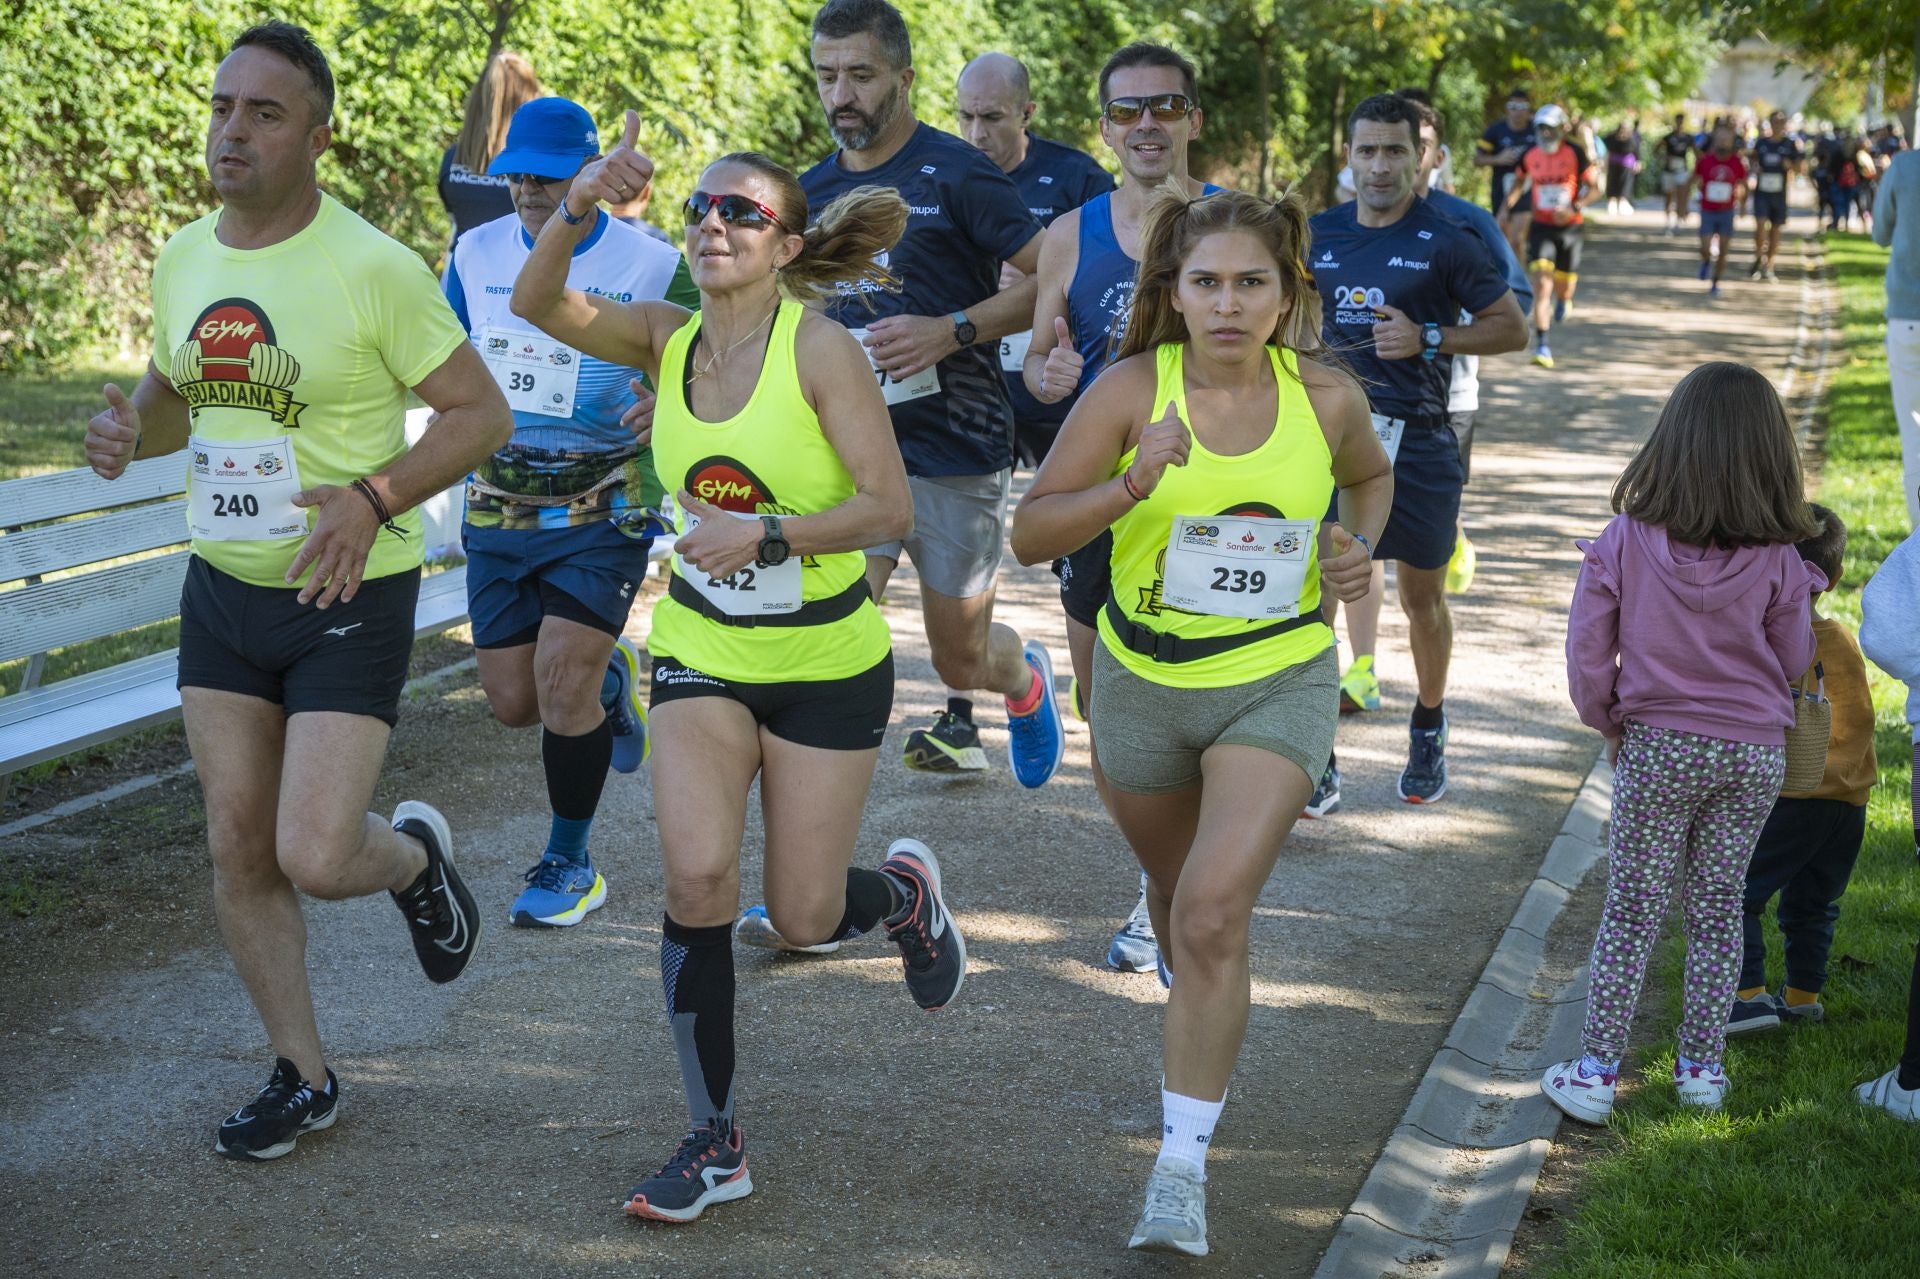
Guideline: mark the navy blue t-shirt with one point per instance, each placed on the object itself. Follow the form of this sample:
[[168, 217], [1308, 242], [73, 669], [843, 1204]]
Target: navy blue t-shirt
[[1427, 265], [472, 199], [965, 218], [1498, 137], [1053, 179], [1773, 155]]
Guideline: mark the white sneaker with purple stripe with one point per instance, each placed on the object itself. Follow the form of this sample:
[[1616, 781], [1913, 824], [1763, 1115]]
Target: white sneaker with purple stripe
[[1583, 1088], [1699, 1083]]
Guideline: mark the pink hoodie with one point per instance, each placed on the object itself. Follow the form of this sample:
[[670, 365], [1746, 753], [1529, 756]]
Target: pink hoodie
[[1705, 641]]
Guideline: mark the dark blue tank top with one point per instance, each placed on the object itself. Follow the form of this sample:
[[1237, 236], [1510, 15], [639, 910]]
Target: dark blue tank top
[[1102, 286]]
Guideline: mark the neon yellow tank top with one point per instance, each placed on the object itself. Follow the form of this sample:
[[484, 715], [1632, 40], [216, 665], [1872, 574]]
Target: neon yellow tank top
[[1289, 476], [768, 459]]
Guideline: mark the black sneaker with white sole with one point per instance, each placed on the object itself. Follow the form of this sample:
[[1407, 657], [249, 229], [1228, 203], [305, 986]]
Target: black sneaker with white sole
[[267, 1126], [931, 947], [438, 907], [707, 1169]]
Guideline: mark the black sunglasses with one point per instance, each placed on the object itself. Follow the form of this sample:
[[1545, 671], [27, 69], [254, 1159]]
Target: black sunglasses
[[1166, 107], [521, 179], [734, 210]]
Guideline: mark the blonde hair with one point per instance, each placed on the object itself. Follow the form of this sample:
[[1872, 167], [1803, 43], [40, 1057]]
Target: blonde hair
[[844, 246], [1176, 223], [507, 84]]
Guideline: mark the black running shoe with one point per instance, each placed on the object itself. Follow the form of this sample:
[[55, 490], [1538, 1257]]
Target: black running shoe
[[952, 745], [267, 1126], [1424, 780], [930, 942], [706, 1169], [438, 907]]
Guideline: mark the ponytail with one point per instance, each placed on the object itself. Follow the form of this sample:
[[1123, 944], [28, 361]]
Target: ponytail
[[847, 244]]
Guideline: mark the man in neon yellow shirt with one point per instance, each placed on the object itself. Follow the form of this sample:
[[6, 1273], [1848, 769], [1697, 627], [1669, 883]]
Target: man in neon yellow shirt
[[286, 334]]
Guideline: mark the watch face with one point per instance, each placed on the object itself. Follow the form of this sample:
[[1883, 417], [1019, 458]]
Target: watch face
[[963, 332]]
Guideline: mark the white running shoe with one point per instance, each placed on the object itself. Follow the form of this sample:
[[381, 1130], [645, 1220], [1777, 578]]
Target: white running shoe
[[1175, 1218], [1582, 1095], [1699, 1083], [1886, 1093], [753, 928]]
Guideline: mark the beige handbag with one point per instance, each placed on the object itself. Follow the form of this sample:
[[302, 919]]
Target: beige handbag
[[1808, 738]]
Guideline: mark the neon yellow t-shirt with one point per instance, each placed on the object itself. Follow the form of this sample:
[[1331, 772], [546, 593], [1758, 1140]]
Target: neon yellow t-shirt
[[316, 338]]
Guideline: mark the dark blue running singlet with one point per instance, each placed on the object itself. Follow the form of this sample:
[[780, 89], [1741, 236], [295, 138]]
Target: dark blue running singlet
[[1102, 286]]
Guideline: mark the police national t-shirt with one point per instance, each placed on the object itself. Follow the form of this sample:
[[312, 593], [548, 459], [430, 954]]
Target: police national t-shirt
[[965, 217], [316, 338], [1426, 265]]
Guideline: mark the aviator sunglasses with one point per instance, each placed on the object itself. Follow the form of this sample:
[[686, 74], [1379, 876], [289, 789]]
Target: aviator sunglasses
[[734, 210], [1166, 108]]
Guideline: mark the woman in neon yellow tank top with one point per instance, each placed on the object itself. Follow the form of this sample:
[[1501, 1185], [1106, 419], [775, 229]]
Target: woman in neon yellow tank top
[[769, 657], [1212, 447]]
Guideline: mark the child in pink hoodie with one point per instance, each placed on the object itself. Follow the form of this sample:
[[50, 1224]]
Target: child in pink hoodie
[[1691, 619]]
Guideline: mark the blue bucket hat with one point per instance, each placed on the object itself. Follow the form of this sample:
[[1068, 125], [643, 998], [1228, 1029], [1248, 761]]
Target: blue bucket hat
[[548, 137]]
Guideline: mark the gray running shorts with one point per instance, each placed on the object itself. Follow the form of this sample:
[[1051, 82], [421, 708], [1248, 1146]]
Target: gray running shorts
[[1150, 737], [959, 531]]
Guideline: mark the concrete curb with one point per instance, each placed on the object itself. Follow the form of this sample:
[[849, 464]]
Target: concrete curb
[[1446, 1194]]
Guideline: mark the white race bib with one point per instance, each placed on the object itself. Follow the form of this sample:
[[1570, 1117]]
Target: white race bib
[[1551, 197], [1238, 565], [1720, 192], [244, 492], [1773, 182], [1013, 351], [922, 384], [1676, 164], [751, 591], [1389, 429], [539, 374]]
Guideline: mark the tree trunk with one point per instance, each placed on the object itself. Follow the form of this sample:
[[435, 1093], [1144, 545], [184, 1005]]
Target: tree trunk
[[1337, 151]]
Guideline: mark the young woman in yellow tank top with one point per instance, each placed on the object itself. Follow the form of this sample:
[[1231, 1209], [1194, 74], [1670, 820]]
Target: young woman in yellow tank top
[[1212, 448], [770, 660]]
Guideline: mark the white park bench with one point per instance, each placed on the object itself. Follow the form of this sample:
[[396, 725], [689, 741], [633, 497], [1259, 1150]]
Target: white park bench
[[142, 511]]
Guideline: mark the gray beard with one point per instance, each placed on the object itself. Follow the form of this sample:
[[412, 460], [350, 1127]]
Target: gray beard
[[862, 137]]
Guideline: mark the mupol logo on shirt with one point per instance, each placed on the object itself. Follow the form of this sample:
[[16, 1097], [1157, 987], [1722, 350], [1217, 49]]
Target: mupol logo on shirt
[[1409, 263], [924, 210]]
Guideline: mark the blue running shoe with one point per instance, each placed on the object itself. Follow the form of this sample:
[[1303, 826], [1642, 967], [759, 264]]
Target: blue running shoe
[[1424, 779], [1706, 269], [706, 1169], [1134, 948], [1762, 1012], [753, 928], [1038, 740], [1160, 967], [1326, 796], [559, 893], [628, 714]]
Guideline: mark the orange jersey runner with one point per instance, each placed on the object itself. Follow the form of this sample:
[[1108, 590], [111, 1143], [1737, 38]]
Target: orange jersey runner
[[1555, 176]]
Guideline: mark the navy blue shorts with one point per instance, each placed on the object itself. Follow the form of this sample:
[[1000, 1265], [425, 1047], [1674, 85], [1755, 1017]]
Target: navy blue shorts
[[1428, 475], [1770, 206], [1716, 222], [518, 577]]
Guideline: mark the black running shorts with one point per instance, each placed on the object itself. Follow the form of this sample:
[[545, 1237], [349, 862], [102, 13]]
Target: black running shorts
[[261, 641], [1085, 578], [1558, 246], [833, 714]]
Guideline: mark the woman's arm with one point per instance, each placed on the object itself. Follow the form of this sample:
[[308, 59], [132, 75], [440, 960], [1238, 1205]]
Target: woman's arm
[[1362, 476], [1075, 495]]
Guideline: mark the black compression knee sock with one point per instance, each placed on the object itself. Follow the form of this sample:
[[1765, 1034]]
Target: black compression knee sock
[[871, 897], [696, 972], [576, 770]]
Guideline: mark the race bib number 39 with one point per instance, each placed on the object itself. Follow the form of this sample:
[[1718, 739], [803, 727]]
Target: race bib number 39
[[243, 492], [537, 373], [1238, 566], [896, 390], [751, 591]]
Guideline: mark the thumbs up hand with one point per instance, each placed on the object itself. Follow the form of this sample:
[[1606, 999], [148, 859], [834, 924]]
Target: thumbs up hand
[[1165, 442], [616, 177], [1065, 365], [113, 435], [1348, 571]]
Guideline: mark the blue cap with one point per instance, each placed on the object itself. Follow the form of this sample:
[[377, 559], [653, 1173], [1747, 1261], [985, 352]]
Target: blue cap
[[548, 137]]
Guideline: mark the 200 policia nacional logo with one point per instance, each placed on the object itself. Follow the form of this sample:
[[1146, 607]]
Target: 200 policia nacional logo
[[230, 361]]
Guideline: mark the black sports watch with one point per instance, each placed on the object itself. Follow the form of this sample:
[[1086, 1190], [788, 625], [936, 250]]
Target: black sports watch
[[774, 548], [963, 331]]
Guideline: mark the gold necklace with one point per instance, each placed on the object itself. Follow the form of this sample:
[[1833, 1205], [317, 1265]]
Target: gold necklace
[[714, 363]]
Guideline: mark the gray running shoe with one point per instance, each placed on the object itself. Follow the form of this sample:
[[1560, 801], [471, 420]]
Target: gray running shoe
[[1175, 1218]]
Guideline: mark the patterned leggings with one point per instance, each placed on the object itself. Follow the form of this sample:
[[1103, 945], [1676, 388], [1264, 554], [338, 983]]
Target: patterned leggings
[[1679, 799]]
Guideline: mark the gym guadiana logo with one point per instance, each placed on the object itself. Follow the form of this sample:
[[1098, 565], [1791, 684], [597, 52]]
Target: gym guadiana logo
[[732, 486], [230, 361]]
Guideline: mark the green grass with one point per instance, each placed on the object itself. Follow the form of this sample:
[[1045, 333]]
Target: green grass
[[44, 419], [1795, 1179]]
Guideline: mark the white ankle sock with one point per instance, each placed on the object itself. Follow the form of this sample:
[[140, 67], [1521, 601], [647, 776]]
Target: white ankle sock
[[1186, 1128]]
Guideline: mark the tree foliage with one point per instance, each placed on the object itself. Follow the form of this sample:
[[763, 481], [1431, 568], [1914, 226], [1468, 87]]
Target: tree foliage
[[101, 139]]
